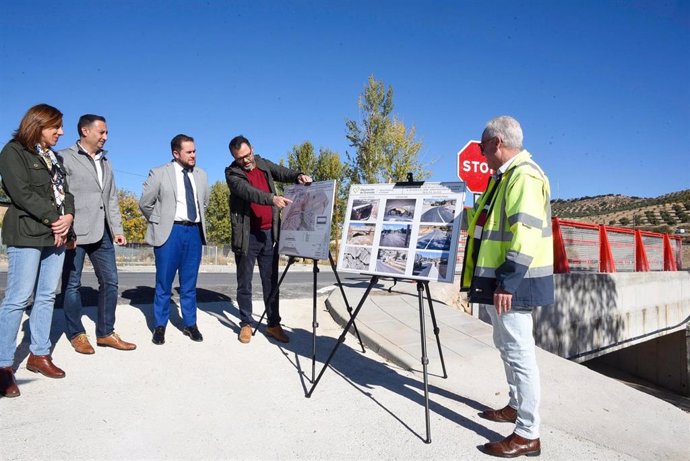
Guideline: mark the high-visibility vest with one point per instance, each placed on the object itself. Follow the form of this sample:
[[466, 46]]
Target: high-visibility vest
[[516, 249]]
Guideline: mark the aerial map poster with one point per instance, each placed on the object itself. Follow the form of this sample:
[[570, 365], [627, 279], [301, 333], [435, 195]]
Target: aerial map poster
[[403, 231], [305, 230]]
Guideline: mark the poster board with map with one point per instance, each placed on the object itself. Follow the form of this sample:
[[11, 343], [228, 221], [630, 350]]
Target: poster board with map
[[305, 228], [403, 231]]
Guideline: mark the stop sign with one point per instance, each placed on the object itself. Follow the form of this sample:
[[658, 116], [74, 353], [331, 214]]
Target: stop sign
[[472, 167]]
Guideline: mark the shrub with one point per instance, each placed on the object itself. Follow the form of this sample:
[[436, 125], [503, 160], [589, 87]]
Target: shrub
[[668, 219], [651, 218]]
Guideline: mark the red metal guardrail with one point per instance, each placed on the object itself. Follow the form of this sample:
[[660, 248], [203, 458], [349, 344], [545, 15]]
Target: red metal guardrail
[[585, 247]]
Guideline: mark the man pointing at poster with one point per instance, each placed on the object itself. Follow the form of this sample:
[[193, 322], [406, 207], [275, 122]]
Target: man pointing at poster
[[255, 221]]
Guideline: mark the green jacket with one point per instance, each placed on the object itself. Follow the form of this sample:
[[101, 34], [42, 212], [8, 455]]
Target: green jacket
[[516, 250], [27, 182], [243, 194]]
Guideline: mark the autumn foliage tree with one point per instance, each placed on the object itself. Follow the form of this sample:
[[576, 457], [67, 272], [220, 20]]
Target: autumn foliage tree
[[133, 222]]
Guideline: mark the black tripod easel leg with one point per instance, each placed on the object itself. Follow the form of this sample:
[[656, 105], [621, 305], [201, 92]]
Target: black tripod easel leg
[[341, 339], [314, 325], [425, 359], [347, 304], [291, 260], [436, 329]]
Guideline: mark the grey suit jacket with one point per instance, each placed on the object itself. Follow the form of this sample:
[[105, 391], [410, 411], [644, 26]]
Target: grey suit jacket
[[159, 198], [93, 205]]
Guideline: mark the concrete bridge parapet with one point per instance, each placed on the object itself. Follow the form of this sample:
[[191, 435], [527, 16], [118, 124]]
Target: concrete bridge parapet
[[596, 314]]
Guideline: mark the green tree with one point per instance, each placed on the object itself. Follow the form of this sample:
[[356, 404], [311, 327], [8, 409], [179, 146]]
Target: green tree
[[329, 166], [404, 150], [385, 150], [218, 215], [133, 222], [302, 158]]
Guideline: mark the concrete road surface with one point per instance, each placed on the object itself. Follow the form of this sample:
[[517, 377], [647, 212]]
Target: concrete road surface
[[220, 399]]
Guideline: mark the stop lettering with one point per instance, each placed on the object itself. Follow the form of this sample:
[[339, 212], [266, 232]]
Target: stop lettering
[[472, 167]]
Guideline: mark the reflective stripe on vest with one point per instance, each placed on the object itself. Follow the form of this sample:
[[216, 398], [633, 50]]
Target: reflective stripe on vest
[[498, 231], [532, 272]]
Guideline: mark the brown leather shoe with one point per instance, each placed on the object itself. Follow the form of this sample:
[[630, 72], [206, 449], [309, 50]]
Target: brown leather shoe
[[506, 414], [245, 334], [81, 344], [277, 333], [8, 386], [114, 341], [512, 446], [44, 364]]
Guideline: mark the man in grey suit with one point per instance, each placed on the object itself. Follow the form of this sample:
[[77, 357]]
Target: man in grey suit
[[174, 203], [97, 225]]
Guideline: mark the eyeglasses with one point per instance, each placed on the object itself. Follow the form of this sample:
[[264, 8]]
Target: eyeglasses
[[246, 158], [483, 143]]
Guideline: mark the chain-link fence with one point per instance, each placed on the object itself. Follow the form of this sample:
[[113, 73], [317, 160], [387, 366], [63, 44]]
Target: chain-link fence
[[139, 254]]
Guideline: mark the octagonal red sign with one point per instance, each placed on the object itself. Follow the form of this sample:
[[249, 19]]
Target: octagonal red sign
[[472, 167]]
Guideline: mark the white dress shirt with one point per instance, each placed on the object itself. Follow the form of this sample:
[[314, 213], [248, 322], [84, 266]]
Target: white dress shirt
[[181, 196]]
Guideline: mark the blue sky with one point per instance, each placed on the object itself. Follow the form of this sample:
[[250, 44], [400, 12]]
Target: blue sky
[[602, 88]]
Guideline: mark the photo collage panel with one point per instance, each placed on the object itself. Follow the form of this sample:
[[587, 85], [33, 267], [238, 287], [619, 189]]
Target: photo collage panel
[[408, 236]]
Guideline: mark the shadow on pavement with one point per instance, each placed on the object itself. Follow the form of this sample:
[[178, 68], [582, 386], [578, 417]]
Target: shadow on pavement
[[212, 302], [57, 328], [364, 373], [219, 306], [141, 298]]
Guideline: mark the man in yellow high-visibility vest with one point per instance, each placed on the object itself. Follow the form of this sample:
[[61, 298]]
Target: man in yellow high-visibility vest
[[509, 270]]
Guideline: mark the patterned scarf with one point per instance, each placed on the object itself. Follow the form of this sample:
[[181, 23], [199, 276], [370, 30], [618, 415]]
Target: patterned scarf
[[57, 176]]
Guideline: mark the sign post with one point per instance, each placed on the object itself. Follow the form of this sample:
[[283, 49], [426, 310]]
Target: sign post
[[472, 167]]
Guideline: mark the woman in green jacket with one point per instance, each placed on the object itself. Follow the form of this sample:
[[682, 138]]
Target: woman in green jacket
[[35, 229]]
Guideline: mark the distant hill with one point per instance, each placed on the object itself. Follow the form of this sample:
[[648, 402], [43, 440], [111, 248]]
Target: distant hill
[[665, 213]]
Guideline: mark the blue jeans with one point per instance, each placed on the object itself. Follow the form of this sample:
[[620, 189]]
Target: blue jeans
[[260, 250], [181, 252], [102, 257], [29, 268], [514, 340]]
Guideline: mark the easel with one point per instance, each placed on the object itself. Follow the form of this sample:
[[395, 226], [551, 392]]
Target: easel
[[314, 323], [422, 288]]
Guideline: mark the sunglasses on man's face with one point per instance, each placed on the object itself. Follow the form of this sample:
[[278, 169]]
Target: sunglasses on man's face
[[482, 145]]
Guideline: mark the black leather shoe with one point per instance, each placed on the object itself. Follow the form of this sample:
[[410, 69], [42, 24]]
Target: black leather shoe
[[193, 332], [159, 335]]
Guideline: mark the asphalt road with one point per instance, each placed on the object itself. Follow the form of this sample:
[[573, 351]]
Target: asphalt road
[[438, 214], [435, 240], [221, 286]]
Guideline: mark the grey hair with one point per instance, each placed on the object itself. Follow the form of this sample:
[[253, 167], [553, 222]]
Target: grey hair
[[506, 128]]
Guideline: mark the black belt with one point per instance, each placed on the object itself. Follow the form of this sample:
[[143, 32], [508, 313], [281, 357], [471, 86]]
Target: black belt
[[187, 223]]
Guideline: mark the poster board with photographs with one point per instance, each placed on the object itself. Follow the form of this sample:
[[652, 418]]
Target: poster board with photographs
[[305, 228], [403, 231]]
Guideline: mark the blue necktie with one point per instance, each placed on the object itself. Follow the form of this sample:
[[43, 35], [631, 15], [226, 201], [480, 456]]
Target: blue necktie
[[189, 195]]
